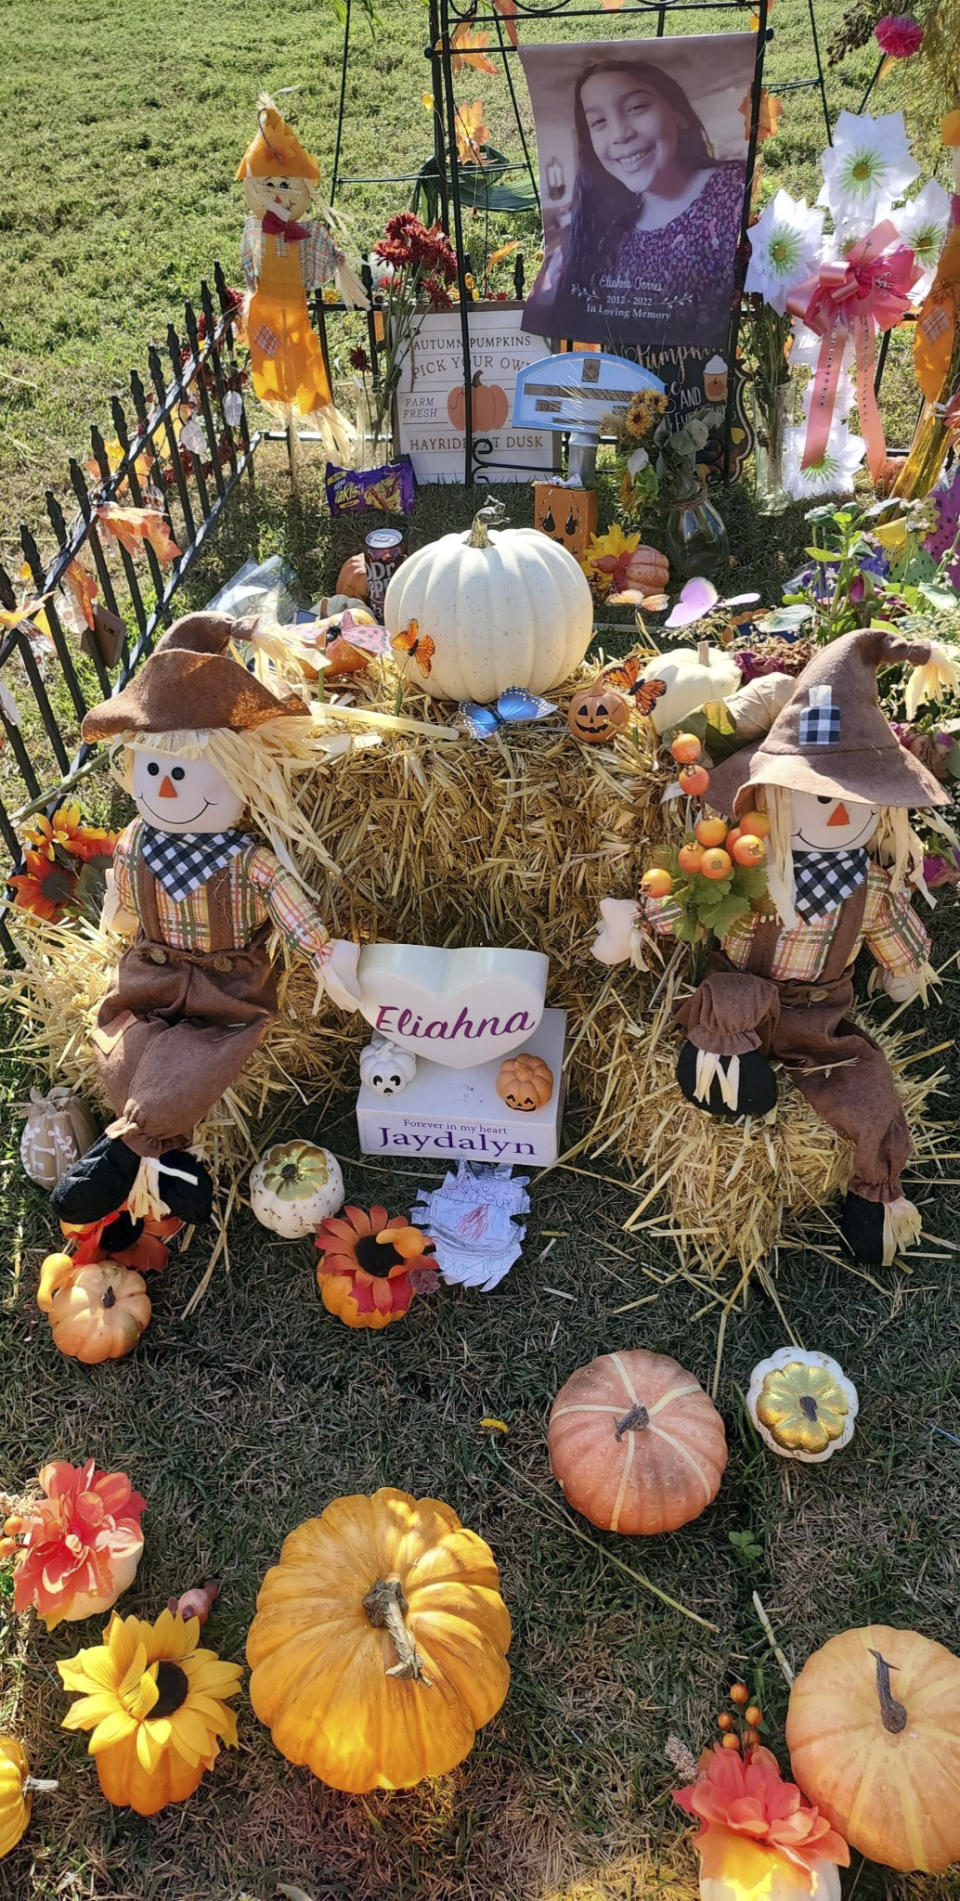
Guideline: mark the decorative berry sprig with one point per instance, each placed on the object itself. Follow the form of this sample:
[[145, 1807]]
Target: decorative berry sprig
[[741, 1726], [718, 873]]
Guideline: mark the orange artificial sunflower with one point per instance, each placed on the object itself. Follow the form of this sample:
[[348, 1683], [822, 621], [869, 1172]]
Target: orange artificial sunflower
[[44, 888], [135, 1242], [371, 1266]]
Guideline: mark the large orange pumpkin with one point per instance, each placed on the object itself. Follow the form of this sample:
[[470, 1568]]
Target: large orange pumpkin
[[379, 1644], [873, 1730], [97, 1312], [636, 1443]]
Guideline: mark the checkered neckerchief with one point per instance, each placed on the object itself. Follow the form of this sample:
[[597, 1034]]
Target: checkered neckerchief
[[182, 861], [825, 878]]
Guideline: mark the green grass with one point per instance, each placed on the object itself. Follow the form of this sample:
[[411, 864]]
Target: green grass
[[119, 134]]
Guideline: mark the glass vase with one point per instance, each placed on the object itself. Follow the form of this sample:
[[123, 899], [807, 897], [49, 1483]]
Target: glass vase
[[772, 414], [695, 539]]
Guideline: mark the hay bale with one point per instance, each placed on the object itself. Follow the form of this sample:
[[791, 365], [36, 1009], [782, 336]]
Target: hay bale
[[511, 841]]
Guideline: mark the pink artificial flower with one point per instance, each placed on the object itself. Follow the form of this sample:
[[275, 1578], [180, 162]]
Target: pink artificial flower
[[898, 35], [78, 1547], [745, 1806], [938, 871]]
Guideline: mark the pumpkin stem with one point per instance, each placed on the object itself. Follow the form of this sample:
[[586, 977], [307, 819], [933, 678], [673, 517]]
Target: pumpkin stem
[[35, 1785], [109, 1298], [385, 1605], [892, 1714], [492, 515], [633, 1421]]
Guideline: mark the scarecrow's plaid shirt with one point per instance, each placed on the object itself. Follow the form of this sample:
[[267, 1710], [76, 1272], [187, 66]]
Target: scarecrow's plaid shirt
[[891, 931], [320, 258], [260, 890]]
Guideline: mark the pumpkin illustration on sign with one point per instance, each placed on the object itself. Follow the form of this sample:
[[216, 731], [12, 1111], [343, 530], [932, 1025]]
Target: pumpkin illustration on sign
[[490, 405], [636, 1443], [524, 1083], [379, 1644]]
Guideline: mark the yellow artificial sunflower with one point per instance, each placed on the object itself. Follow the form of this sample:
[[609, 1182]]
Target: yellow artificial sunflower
[[155, 1705], [607, 559]]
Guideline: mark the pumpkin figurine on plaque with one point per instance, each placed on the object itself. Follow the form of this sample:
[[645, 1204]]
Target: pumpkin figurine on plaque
[[466, 1061]]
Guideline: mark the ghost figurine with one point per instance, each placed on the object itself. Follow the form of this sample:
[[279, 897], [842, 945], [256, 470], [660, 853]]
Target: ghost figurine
[[837, 788], [203, 876], [386, 1069]]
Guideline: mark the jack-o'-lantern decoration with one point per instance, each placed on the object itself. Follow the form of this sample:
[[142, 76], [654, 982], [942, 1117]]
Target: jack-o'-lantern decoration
[[597, 713], [524, 1083]]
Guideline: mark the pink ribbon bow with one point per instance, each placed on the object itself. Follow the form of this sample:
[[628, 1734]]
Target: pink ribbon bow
[[865, 292]]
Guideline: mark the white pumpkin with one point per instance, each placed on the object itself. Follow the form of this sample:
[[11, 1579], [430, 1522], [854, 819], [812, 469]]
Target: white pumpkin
[[802, 1404], [692, 676], [58, 1130], [294, 1187], [785, 1882], [503, 609], [386, 1069]]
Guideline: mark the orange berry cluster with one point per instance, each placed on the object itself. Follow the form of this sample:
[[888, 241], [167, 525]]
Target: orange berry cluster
[[715, 847], [750, 1715]]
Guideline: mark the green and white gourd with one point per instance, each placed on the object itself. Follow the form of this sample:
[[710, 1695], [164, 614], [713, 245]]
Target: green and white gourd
[[294, 1187]]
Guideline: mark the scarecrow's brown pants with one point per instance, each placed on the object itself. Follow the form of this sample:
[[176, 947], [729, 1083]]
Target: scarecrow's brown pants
[[173, 1034], [842, 1073]]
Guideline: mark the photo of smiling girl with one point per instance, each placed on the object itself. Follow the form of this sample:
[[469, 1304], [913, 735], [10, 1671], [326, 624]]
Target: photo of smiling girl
[[644, 248]]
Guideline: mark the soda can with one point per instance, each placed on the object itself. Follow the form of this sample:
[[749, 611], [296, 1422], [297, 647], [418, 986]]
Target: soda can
[[383, 551]]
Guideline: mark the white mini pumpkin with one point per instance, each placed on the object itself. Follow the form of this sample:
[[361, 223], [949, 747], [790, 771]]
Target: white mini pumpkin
[[294, 1187], [503, 609], [386, 1069], [58, 1130], [692, 676], [802, 1404]]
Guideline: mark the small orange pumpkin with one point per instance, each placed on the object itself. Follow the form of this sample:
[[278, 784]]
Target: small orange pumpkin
[[648, 570], [597, 713], [97, 1312], [352, 579], [636, 1443], [524, 1082], [370, 1267]]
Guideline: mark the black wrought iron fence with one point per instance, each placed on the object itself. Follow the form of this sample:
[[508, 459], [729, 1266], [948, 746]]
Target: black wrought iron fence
[[182, 443]]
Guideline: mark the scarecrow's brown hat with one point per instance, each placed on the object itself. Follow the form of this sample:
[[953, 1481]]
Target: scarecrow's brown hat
[[832, 738], [190, 683]]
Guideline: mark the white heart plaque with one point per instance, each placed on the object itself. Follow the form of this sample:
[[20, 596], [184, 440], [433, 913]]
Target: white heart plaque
[[456, 1007]]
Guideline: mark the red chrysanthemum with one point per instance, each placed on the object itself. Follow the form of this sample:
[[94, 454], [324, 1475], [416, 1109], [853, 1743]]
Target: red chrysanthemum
[[78, 1547], [898, 35]]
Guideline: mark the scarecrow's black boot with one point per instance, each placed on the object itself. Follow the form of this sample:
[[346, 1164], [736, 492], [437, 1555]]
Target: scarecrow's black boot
[[185, 1185], [98, 1183], [757, 1093], [122, 1232], [861, 1225]]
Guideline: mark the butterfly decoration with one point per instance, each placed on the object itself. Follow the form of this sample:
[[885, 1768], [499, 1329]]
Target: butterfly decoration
[[698, 598], [624, 676], [412, 645], [515, 707], [357, 633]]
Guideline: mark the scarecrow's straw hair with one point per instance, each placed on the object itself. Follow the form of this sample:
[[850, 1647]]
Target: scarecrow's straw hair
[[262, 767]]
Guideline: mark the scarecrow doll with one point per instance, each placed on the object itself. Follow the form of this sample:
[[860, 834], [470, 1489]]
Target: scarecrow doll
[[837, 788], [284, 258], [208, 753]]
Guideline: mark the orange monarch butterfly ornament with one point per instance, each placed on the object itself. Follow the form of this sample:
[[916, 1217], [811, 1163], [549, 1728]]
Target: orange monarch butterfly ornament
[[412, 645], [624, 676]]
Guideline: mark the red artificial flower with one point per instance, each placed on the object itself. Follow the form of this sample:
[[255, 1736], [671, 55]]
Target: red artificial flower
[[78, 1547], [380, 1263], [359, 359], [45, 888], [746, 1807], [898, 35], [147, 1253]]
